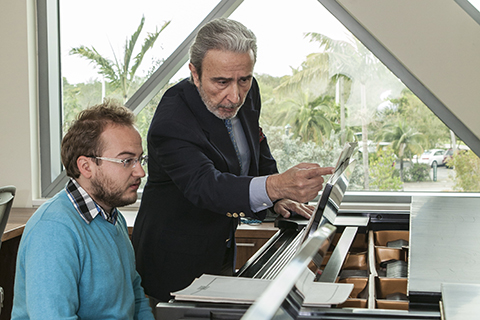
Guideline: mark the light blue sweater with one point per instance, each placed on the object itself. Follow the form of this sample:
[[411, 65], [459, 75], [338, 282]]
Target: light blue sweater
[[68, 269]]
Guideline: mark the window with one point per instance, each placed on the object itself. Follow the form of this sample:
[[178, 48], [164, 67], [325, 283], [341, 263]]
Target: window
[[472, 7], [107, 33], [344, 89], [63, 25], [475, 3]]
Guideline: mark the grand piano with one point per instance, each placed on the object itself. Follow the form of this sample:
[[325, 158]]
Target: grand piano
[[400, 255]]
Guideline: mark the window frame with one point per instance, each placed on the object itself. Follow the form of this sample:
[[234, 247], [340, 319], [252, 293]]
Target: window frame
[[53, 176], [402, 72], [470, 9], [49, 97]]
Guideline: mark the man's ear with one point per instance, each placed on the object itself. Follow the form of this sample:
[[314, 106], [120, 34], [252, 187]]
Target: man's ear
[[194, 72], [84, 165]]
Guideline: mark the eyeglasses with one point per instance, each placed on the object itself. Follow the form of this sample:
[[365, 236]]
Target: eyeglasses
[[127, 163]]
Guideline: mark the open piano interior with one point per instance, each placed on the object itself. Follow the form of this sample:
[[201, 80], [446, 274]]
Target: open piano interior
[[368, 249]]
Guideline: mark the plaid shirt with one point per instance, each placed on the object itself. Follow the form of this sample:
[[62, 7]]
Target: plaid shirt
[[85, 205]]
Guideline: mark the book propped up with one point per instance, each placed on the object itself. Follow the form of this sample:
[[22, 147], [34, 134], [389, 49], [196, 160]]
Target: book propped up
[[225, 289]]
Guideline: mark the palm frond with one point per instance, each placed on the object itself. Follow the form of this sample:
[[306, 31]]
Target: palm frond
[[317, 70], [147, 44], [91, 54], [117, 65], [130, 45]]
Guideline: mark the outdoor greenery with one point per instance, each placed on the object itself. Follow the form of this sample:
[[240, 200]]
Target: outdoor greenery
[[289, 151], [405, 139], [383, 173], [339, 94], [121, 73], [418, 172], [467, 171]]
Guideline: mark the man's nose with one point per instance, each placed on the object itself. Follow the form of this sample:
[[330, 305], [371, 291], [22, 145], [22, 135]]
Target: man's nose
[[233, 93], [138, 171]]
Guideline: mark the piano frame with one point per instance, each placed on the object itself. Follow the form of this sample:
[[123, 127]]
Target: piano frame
[[392, 214]]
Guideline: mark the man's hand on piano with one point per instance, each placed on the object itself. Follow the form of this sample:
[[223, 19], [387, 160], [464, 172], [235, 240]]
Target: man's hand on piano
[[300, 183], [287, 207]]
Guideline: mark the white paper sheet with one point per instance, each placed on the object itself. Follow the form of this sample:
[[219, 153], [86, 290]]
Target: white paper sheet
[[223, 289]]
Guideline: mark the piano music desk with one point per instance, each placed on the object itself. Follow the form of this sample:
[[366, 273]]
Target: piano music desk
[[250, 238]]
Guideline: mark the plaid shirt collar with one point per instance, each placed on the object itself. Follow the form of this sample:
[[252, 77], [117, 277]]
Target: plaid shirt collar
[[85, 205]]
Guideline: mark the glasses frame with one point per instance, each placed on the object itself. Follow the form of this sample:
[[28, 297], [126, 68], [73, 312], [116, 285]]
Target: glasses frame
[[126, 162]]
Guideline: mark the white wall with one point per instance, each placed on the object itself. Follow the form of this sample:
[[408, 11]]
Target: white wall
[[18, 146]]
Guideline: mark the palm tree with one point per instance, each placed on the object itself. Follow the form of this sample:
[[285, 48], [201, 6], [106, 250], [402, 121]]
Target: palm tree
[[340, 87], [335, 58], [353, 59], [348, 60], [410, 108], [121, 73], [405, 139], [314, 69], [310, 120]]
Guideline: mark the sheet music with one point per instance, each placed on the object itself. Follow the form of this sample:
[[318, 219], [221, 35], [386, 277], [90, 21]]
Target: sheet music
[[225, 289], [345, 155], [342, 166]]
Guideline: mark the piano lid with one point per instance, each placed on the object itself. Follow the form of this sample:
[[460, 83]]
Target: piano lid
[[444, 244]]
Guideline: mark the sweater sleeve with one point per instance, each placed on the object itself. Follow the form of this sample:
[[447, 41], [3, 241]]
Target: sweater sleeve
[[142, 306], [50, 259]]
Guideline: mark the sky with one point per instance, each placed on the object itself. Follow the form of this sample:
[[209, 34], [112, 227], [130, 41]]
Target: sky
[[475, 3], [279, 25]]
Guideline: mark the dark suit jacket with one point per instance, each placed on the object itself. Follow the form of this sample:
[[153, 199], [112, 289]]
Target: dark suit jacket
[[193, 192]]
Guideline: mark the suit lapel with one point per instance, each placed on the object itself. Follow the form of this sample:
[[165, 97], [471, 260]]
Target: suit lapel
[[214, 128]]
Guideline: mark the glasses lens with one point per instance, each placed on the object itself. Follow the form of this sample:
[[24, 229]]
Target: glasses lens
[[127, 163], [144, 160]]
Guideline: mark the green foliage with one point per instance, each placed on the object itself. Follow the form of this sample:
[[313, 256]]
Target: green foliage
[[289, 151], [71, 105], [305, 101], [383, 174], [310, 121], [311, 118], [467, 170], [271, 107], [418, 172], [121, 73], [122, 79], [357, 179], [405, 139], [77, 98], [410, 109]]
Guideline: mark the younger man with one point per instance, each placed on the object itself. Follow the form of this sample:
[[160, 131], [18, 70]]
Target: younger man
[[75, 258]]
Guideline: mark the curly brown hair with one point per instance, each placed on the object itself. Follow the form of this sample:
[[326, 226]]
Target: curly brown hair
[[83, 136]]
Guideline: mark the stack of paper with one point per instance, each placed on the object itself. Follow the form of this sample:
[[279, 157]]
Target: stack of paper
[[209, 288]]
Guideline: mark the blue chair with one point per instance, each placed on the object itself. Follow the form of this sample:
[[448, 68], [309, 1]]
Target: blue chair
[[6, 200]]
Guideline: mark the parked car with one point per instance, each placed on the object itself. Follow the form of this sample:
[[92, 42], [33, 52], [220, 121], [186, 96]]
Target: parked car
[[432, 157], [447, 156]]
